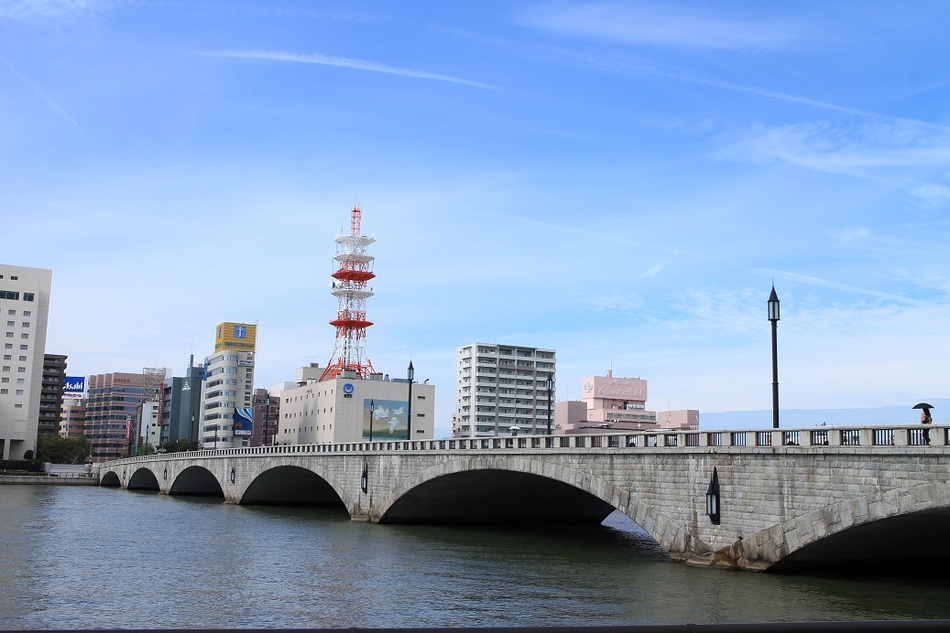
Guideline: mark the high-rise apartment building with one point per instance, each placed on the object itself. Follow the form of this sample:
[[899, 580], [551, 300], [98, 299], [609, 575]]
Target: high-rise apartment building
[[51, 393], [227, 393], [503, 390], [24, 309]]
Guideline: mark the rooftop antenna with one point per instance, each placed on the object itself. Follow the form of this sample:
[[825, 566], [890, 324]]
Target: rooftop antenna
[[354, 272]]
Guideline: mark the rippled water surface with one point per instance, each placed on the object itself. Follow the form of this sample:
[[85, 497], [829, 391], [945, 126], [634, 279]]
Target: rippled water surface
[[106, 558]]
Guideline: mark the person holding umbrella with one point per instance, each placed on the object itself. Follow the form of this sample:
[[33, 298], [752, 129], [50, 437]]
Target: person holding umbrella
[[925, 418]]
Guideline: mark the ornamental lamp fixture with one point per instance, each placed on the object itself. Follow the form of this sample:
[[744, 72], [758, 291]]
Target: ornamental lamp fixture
[[712, 498], [410, 374], [773, 304]]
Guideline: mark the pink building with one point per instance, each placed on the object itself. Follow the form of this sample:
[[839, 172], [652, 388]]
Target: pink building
[[613, 404]]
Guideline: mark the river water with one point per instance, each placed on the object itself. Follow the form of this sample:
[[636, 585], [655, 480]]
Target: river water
[[86, 557]]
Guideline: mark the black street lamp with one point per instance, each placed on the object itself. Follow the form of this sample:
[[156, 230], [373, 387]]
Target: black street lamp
[[372, 414], [410, 374], [774, 317], [550, 389]]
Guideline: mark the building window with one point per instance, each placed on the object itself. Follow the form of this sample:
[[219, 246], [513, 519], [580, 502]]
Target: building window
[[28, 296], [4, 391], [27, 313], [25, 335]]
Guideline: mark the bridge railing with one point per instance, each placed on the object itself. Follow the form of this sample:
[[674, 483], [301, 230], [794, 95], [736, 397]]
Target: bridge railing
[[820, 438]]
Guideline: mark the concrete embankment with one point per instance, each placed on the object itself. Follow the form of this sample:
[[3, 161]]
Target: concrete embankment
[[46, 480]]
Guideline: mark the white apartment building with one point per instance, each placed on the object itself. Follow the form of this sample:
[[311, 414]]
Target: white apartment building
[[348, 409], [504, 390], [24, 306], [228, 386]]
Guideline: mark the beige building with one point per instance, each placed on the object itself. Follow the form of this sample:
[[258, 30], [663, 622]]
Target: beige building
[[24, 305], [613, 404], [348, 409]]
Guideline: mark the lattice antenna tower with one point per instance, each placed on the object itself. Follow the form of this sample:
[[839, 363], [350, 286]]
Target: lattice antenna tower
[[350, 287]]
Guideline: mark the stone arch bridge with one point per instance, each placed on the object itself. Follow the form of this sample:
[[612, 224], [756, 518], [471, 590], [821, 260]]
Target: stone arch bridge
[[786, 498]]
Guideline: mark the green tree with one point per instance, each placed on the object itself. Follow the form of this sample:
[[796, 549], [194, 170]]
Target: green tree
[[62, 450], [180, 446]]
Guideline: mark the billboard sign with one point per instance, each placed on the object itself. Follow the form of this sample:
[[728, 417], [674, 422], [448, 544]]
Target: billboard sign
[[387, 420], [243, 421], [74, 386]]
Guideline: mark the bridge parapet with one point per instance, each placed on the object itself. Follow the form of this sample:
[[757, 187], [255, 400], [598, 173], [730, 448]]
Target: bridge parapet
[[830, 438]]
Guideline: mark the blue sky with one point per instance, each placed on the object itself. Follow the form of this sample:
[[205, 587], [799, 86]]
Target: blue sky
[[621, 182]]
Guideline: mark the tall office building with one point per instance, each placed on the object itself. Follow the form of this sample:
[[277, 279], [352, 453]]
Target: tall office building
[[51, 394], [24, 305], [503, 390], [111, 418], [226, 397], [181, 406]]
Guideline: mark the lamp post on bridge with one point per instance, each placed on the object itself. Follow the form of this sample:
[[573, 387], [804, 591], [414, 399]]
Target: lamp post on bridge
[[550, 386], [773, 304], [410, 374]]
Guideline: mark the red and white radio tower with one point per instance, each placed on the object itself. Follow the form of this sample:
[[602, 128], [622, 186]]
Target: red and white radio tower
[[349, 286]]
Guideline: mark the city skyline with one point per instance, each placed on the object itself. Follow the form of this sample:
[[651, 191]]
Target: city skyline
[[620, 182]]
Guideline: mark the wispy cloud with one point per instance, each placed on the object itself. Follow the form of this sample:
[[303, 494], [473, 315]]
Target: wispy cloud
[[51, 9], [658, 25], [851, 234], [825, 283], [345, 62], [39, 93]]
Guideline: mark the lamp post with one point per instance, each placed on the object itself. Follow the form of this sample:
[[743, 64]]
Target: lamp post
[[410, 374], [712, 498], [372, 411], [773, 304], [550, 389]]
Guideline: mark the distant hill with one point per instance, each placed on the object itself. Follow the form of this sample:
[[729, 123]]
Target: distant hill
[[803, 418]]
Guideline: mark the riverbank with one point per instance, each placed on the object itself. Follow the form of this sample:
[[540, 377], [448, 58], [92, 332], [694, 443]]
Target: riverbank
[[47, 480]]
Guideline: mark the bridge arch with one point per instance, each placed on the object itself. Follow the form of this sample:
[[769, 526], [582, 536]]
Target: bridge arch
[[291, 484], [110, 479], [196, 481], [559, 487], [143, 479], [871, 530]]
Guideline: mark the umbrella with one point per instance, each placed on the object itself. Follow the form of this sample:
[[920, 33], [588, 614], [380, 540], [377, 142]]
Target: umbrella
[[922, 405]]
